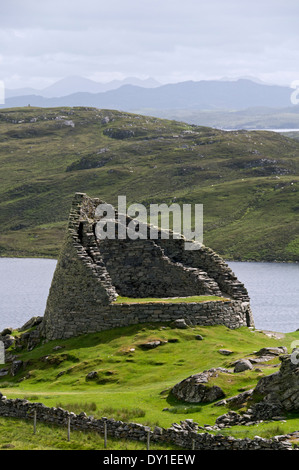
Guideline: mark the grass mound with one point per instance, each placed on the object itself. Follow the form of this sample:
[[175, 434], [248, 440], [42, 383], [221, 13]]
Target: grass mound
[[134, 384]]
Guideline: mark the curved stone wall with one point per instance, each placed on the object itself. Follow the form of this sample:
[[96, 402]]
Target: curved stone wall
[[91, 273]]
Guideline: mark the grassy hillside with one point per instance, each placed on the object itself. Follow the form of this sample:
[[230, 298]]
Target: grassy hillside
[[134, 384], [247, 181]]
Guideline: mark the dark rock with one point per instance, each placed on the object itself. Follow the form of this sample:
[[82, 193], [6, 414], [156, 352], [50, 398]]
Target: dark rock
[[8, 340], [34, 321], [6, 331], [242, 364], [199, 337], [3, 372], [196, 389], [92, 375], [16, 367]]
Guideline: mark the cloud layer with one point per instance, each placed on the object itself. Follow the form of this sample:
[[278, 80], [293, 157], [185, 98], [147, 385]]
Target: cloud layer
[[169, 40]]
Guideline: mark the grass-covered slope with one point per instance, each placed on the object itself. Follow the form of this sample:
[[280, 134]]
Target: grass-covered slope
[[17, 434], [246, 181], [133, 383]]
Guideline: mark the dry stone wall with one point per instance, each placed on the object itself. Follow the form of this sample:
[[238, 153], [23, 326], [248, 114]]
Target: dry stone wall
[[91, 273], [184, 435]]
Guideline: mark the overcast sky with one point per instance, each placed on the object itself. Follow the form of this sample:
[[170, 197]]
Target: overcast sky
[[169, 40]]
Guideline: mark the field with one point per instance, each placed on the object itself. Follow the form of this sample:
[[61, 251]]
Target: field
[[134, 384]]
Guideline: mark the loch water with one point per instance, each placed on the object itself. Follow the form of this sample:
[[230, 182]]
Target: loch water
[[273, 290]]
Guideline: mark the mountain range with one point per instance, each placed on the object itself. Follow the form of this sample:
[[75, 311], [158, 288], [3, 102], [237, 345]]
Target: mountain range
[[75, 84], [204, 94]]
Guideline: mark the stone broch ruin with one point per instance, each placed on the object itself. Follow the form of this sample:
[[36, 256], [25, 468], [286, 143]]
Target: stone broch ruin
[[91, 273]]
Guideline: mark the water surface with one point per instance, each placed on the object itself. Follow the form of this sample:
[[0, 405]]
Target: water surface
[[274, 293], [273, 289]]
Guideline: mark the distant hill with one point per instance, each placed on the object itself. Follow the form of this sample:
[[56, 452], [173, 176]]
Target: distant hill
[[247, 181], [250, 118], [203, 95], [77, 84]]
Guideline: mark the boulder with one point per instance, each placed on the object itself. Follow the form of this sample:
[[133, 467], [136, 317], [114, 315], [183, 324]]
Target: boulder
[[196, 388], [242, 364]]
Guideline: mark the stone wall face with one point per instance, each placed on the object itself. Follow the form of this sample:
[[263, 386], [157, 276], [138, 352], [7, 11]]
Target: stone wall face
[[142, 270], [232, 314], [91, 273], [177, 435], [211, 263]]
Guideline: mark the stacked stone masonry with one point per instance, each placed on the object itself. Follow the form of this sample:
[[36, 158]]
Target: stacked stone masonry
[[185, 436], [91, 273]]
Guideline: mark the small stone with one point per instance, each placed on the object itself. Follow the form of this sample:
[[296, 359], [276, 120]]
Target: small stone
[[151, 344], [225, 352], [92, 375]]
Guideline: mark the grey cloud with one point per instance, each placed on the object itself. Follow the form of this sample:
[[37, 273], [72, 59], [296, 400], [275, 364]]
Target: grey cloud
[[160, 38]]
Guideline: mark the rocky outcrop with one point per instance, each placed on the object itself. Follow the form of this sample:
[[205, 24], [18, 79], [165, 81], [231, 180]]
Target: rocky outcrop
[[34, 321], [282, 387], [277, 393], [196, 388]]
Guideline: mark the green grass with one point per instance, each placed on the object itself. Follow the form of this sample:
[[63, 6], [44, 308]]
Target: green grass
[[17, 434], [135, 384], [246, 181], [172, 300]]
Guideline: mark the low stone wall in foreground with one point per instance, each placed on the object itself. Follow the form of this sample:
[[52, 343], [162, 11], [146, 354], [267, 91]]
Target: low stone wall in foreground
[[184, 435]]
